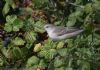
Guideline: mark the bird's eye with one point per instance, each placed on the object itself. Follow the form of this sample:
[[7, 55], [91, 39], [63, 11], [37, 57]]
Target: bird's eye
[[47, 26]]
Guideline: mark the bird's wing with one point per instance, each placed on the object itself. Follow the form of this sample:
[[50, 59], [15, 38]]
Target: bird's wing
[[65, 30]]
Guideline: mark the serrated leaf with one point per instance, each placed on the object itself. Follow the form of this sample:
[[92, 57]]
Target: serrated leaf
[[52, 53], [39, 26], [48, 54], [42, 64], [17, 24], [74, 17], [45, 54], [88, 8], [32, 61], [29, 24], [63, 52], [58, 62], [30, 36], [60, 45], [18, 41], [13, 23], [84, 65], [11, 18], [8, 27], [37, 47]]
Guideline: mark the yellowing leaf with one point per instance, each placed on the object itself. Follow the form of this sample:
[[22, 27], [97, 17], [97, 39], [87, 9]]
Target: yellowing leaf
[[60, 45], [37, 47]]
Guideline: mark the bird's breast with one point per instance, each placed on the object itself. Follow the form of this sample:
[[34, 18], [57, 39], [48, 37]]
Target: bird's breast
[[52, 35]]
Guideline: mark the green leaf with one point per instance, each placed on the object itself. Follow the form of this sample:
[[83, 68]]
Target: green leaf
[[74, 17], [60, 45], [48, 54], [30, 36], [84, 65], [32, 61], [6, 8], [58, 62], [8, 27], [39, 3], [18, 41], [1, 62], [13, 23], [42, 64], [52, 53], [88, 8], [24, 51], [69, 68], [43, 54], [97, 16], [17, 53], [29, 24], [39, 26], [61, 68], [96, 5], [63, 52], [11, 18], [17, 24], [71, 23]]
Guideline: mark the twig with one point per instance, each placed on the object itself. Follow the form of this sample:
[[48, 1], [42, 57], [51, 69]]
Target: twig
[[76, 5]]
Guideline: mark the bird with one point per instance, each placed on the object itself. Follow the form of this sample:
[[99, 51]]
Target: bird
[[61, 32]]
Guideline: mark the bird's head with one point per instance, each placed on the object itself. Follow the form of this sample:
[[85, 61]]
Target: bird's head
[[49, 27]]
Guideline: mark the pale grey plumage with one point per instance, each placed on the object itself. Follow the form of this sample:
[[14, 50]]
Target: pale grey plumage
[[60, 32]]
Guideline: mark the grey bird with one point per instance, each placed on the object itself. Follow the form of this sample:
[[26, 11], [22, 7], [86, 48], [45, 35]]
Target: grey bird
[[61, 32]]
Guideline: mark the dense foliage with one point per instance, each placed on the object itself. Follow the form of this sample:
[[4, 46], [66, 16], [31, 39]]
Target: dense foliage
[[24, 43]]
